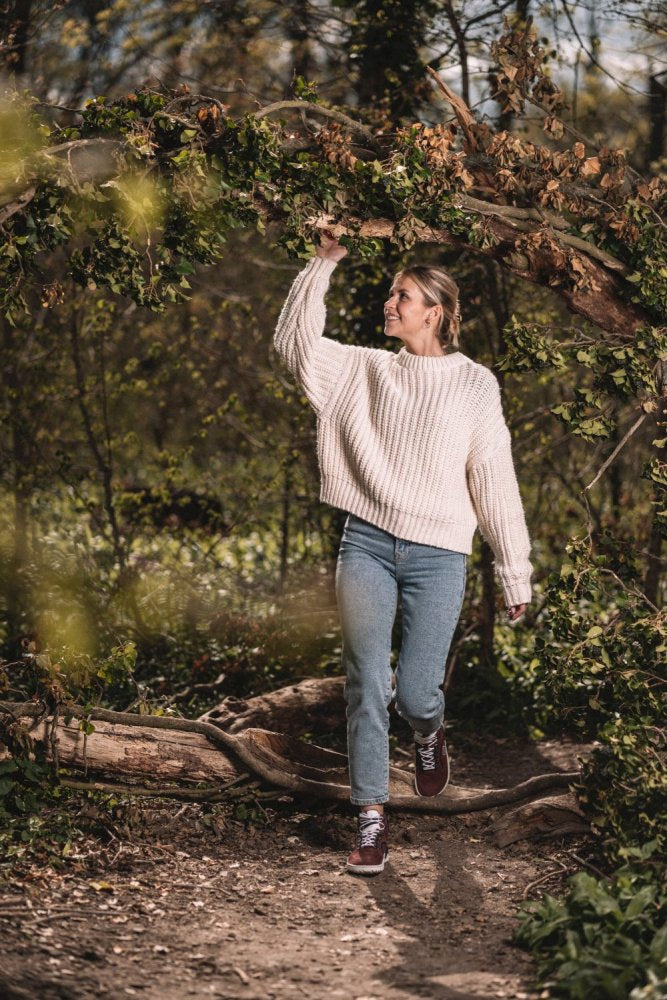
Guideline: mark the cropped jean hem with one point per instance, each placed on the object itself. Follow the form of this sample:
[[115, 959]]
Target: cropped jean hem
[[381, 800]]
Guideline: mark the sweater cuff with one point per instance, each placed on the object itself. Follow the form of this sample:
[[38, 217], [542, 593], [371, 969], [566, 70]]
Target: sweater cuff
[[321, 267], [516, 593]]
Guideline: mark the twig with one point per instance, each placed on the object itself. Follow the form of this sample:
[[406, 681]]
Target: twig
[[587, 864], [605, 465], [194, 795], [212, 793], [192, 689], [538, 881], [631, 590], [319, 110]]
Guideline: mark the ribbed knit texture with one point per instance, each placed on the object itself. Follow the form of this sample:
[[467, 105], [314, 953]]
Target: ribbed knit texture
[[415, 445]]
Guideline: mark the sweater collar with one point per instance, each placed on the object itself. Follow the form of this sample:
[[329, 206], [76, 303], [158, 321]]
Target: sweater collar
[[419, 363]]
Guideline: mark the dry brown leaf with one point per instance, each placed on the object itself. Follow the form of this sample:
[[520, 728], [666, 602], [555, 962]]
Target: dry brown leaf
[[590, 167], [554, 126]]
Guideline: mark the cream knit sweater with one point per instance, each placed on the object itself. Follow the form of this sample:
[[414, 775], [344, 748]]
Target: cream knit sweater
[[415, 445]]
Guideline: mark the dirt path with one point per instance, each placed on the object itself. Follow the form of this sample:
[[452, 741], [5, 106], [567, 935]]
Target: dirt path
[[184, 911]]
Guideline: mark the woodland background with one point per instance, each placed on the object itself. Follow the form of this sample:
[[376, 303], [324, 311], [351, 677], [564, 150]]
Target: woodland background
[[162, 544]]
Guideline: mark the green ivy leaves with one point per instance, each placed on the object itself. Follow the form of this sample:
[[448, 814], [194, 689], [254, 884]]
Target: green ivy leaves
[[606, 938]]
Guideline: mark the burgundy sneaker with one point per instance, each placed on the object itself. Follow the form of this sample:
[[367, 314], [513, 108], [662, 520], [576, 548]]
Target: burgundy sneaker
[[431, 764], [372, 848]]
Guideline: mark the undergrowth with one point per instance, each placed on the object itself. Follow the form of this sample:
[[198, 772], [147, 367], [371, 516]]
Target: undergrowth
[[601, 673]]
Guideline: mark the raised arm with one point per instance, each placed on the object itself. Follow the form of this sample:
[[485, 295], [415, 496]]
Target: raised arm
[[315, 361], [496, 498]]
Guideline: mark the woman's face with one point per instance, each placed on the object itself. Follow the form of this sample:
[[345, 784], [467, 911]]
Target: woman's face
[[406, 315]]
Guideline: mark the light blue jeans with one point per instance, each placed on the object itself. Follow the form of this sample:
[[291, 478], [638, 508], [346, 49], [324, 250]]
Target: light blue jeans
[[374, 569]]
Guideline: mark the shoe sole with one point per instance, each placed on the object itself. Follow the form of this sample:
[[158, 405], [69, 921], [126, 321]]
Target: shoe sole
[[367, 869]]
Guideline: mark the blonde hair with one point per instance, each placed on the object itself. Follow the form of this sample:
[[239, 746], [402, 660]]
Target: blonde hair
[[438, 289]]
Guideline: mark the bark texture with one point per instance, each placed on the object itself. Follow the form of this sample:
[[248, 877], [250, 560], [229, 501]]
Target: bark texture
[[551, 816], [314, 705]]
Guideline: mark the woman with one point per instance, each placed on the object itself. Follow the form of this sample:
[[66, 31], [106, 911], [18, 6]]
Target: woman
[[414, 446]]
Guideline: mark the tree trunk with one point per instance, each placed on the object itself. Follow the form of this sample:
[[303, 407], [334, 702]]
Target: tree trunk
[[16, 27], [19, 461], [300, 33], [488, 607], [657, 102]]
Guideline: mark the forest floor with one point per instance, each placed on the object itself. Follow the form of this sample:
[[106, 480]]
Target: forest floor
[[181, 902]]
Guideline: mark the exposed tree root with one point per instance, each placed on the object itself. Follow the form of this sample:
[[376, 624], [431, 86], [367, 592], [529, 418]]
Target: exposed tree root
[[184, 751]]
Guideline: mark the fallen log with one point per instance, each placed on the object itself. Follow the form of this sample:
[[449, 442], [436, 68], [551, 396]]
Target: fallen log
[[138, 752], [316, 704], [189, 751], [552, 816]]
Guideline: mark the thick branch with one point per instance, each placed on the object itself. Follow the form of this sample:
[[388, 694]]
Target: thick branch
[[90, 166], [556, 225], [102, 461], [602, 302], [316, 704], [552, 816], [18, 204]]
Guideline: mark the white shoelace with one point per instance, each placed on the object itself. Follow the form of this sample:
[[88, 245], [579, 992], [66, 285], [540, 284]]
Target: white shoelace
[[369, 828], [426, 753]]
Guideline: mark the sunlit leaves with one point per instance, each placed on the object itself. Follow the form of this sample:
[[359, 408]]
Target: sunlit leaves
[[21, 137], [141, 203]]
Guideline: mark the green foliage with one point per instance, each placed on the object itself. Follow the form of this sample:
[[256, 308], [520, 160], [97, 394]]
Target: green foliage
[[606, 938], [619, 371], [623, 788], [647, 252], [600, 670], [26, 779], [601, 648], [304, 90], [602, 667], [62, 674], [499, 696], [34, 821], [528, 348]]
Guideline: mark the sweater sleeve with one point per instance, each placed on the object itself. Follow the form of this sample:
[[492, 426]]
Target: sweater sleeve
[[494, 491], [315, 361]]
